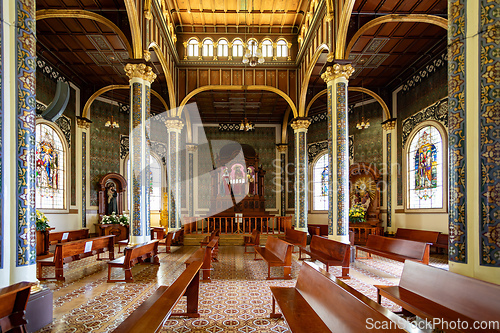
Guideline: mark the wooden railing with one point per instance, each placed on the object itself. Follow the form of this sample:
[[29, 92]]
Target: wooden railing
[[236, 225]]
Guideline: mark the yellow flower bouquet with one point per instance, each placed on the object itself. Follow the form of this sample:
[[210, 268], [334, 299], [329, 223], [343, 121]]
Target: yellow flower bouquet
[[357, 214]]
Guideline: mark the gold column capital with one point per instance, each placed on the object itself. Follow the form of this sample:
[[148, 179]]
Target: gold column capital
[[83, 123], [140, 71], [282, 148], [389, 124], [336, 71], [191, 147], [174, 123], [300, 123], [147, 55]]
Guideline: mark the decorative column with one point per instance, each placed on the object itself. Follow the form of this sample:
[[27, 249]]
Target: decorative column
[[191, 148], [474, 139], [83, 126], [336, 78], [388, 127], [139, 182], [174, 127], [300, 126], [282, 149], [17, 164]]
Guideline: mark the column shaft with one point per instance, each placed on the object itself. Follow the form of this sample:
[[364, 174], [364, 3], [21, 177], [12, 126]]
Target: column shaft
[[282, 148], [301, 173], [174, 127]]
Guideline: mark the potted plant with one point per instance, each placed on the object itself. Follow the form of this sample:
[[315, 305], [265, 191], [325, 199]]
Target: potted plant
[[42, 222], [114, 225], [357, 214], [42, 233]]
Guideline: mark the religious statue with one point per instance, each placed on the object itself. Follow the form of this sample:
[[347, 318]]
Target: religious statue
[[225, 182], [250, 181], [112, 204], [365, 201], [239, 179]]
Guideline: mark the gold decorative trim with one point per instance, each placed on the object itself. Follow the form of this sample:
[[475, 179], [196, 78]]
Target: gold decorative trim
[[318, 95], [174, 123], [282, 148], [135, 28], [83, 123], [230, 87], [84, 14], [345, 19], [284, 126], [147, 55], [379, 99], [423, 18], [336, 71], [168, 75], [389, 125], [300, 124], [307, 76], [140, 71]]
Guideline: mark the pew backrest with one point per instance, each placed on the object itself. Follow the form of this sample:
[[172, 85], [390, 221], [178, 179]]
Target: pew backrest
[[280, 249], [296, 236], [68, 236], [473, 298], [418, 235], [403, 247], [330, 247], [134, 253], [13, 300], [70, 249]]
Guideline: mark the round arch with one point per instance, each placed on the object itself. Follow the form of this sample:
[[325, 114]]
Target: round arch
[[422, 18], [168, 75], [84, 14], [307, 76], [230, 87]]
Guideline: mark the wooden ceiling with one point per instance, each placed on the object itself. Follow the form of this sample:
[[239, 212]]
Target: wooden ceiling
[[91, 55]]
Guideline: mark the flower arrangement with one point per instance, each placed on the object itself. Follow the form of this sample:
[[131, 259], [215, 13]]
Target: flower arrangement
[[115, 219], [357, 214], [42, 222]]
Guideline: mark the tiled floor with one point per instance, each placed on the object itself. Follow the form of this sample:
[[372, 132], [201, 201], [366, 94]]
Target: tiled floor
[[237, 300]]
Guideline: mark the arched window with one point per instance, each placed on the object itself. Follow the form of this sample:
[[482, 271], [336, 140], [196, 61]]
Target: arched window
[[192, 48], [320, 183], [50, 159], [267, 48], [208, 48], [281, 49], [155, 193], [222, 48], [238, 48], [425, 168], [253, 45]]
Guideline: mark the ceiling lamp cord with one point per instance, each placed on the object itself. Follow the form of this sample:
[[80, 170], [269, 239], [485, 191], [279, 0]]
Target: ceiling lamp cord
[[253, 53]]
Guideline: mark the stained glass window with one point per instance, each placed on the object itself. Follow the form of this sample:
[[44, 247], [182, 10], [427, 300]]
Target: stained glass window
[[50, 175], [320, 183], [425, 169]]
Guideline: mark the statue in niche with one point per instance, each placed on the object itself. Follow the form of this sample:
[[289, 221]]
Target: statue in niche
[[250, 181], [225, 182], [239, 179], [111, 195]]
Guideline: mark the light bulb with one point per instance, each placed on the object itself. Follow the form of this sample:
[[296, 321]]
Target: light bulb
[[245, 60], [248, 53], [261, 60], [108, 123], [253, 62], [258, 53]]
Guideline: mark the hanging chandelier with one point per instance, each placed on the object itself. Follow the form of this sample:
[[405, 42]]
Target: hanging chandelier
[[363, 124], [253, 53], [111, 123], [246, 125]]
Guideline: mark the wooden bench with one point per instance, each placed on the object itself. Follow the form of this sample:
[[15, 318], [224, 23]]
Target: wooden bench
[[132, 256], [442, 243], [395, 249], [430, 292], [13, 300], [314, 230], [178, 238], [418, 235], [205, 255], [296, 237], [75, 250], [68, 236], [215, 251], [321, 303], [277, 253], [164, 239], [252, 240], [150, 315], [330, 253]]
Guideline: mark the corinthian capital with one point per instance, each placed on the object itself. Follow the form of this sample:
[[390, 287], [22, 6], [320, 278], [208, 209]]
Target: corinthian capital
[[300, 123], [337, 71], [174, 123], [140, 71]]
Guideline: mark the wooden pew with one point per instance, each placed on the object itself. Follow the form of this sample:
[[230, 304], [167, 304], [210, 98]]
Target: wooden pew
[[205, 255], [252, 240], [13, 300], [321, 303], [313, 230], [442, 243], [430, 292], [132, 256], [164, 239], [276, 253], [214, 235], [150, 315], [418, 235], [75, 250], [178, 238], [330, 253], [296, 237], [68, 236], [395, 249]]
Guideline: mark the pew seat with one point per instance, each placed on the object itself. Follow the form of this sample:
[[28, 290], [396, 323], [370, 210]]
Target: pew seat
[[133, 255]]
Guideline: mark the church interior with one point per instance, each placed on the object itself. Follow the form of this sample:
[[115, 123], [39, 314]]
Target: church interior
[[249, 166]]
